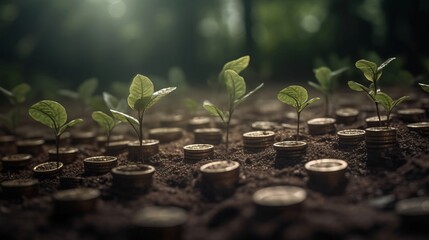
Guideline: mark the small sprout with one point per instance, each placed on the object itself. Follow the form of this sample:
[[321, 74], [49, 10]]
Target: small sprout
[[236, 89], [84, 93], [425, 87], [53, 115], [326, 83], [191, 105], [372, 73], [106, 122], [141, 98], [388, 103], [16, 97], [297, 97]]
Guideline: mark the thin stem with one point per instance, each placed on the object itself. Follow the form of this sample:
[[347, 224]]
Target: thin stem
[[375, 94], [140, 115], [57, 142], [108, 137], [297, 126], [327, 105]]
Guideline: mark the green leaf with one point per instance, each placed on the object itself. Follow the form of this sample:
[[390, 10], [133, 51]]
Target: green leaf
[[122, 117], [68, 93], [214, 111], [357, 86], [105, 121], [158, 95], [248, 94], [323, 76], [237, 65], [385, 100], [425, 87], [141, 87], [69, 124], [308, 103], [49, 113], [87, 88], [110, 100], [20, 91], [317, 87], [235, 85], [385, 63], [369, 69], [294, 96], [399, 100]]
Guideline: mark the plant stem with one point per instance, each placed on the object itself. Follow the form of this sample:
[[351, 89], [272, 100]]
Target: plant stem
[[57, 142], [326, 105], [376, 103], [140, 114], [297, 125]]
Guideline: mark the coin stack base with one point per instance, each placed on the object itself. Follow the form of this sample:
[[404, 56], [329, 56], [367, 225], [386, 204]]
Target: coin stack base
[[347, 115], [7, 144], [198, 122], [264, 126], [16, 161], [166, 134], [211, 136], [116, 148], [196, 152], [48, 169], [130, 180], [327, 176], [65, 155], [412, 115], [420, 127], [375, 122], [30, 146], [320, 126], [99, 164], [290, 149], [75, 201], [379, 139], [150, 147], [258, 140], [20, 187], [351, 137], [219, 178]]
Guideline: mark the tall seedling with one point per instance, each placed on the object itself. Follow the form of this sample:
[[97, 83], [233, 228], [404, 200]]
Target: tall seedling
[[236, 89], [53, 115], [16, 97], [141, 98], [326, 81], [297, 97], [372, 73]]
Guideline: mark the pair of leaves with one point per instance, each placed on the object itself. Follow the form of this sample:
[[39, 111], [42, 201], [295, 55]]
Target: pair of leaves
[[84, 92], [142, 95], [296, 96], [387, 102], [53, 115], [237, 65], [18, 94], [370, 70], [325, 77], [104, 121], [425, 87]]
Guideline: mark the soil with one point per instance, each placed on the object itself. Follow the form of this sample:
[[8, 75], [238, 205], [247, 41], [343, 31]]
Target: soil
[[364, 211]]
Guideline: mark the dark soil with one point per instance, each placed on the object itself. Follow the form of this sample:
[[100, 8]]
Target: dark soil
[[364, 211]]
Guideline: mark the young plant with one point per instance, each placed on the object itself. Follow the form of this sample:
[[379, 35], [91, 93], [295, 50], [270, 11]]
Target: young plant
[[141, 98], [106, 122], [372, 73], [236, 89], [388, 103], [297, 97], [16, 97], [425, 87], [326, 83], [84, 93], [191, 105], [53, 115]]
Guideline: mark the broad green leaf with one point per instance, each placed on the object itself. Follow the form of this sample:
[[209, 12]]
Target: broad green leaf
[[20, 91], [323, 76], [248, 94], [317, 87], [213, 110], [140, 104], [141, 87], [87, 88], [158, 95], [237, 65], [425, 87], [105, 121], [235, 85], [357, 86], [122, 117], [385, 63], [308, 103], [385, 100], [399, 100], [110, 100], [69, 124], [68, 93], [49, 113], [369, 69], [294, 96]]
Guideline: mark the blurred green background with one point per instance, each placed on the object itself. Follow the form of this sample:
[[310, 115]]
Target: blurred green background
[[55, 44]]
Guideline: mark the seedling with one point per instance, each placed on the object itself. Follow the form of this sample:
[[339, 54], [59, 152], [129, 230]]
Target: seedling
[[113, 102], [425, 87], [236, 89], [84, 93], [16, 96], [297, 97], [53, 115], [388, 103], [326, 83], [191, 105], [141, 98], [106, 122], [372, 73]]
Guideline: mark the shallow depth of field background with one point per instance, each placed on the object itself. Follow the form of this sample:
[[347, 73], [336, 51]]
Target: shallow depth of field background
[[53, 44]]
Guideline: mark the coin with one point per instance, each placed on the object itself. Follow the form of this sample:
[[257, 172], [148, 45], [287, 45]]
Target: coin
[[66, 155], [417, 207], [375, 122], [30, 146], [412, 114], [320, 126], [165, 134], [20, 187], [100, 164], [264, 125], [290, 149], [347, 115], [149, 148], [327, 175], [115, 148], [208, 136], [48, 169], [258, 140], [220, 177], [172, 121], [197, 152], [132, 179], [198, 122], [75, 201], [351, 136], [16, 160]]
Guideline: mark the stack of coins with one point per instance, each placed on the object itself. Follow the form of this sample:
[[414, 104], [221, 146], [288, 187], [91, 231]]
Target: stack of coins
[[48, 169], [150, 148], [351, 137], [414, 212], [83, 137], [20, 187], [264, 125], [380, 138], [67, 182], [320, 126], [327, 175], [117, 147], [421, 127], [279, 200], [172, 121], [131, 179], [30, 146], [159, 222], [16, 160], [258, 140], [166, 134], [198, 122], [196, 152], [412, 115], [99, 164], [7, 144], [290, 149], [208, 136], [220, 178], [347, 115], [75, 201], [375, 122], [66, 155]]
